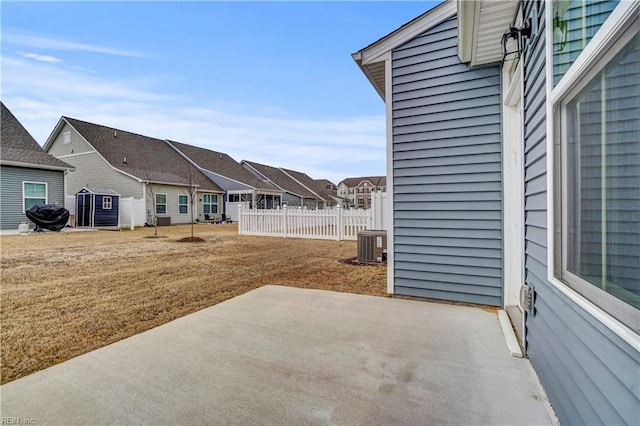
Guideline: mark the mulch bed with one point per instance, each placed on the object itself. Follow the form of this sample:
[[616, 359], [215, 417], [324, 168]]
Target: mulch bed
[[191, 240], [355, 262]]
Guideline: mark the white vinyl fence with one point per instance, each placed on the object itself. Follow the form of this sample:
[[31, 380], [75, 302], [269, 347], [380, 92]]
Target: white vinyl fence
[[328, 224]]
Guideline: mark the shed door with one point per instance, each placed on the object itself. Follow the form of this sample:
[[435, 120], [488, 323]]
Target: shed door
[[83, 212]]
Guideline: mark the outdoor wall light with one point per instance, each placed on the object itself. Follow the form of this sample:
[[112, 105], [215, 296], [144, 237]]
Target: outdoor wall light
[[513, 41]]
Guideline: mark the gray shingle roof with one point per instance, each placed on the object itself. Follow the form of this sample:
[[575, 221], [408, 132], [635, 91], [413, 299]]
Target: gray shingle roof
[[375, 180], [144, 157], [326, 188], [220, 163], [17, 146], [280, 178], [309, 182]]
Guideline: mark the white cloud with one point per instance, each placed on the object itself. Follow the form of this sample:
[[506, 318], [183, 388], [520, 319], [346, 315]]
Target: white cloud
[[41, 58], [10, 36], [39, 93]]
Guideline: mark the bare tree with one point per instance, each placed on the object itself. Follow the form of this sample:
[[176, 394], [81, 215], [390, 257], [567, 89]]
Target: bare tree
[[152, 194], [192, 194]]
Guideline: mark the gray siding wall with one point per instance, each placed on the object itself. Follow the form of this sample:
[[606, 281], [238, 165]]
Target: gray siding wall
[[93, 170], [11, 179], [446, 172], [76, 145], [588, 372]]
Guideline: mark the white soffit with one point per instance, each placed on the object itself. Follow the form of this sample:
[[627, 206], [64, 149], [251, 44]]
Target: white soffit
[[480, 28]]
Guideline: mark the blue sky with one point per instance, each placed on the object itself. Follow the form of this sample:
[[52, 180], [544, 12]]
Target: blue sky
[[272, 82]]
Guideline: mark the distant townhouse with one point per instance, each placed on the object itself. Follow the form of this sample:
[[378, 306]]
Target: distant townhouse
[[28, 175], [240, 185], [357, 190], [147, 170]]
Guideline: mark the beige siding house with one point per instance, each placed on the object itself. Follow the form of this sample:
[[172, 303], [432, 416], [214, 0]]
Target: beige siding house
[[151, 177]]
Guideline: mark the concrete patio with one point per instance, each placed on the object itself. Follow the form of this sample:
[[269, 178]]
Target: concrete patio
[[281, 355]]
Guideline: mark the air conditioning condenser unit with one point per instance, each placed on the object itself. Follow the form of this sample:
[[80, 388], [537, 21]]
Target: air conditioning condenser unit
[[372, 246]]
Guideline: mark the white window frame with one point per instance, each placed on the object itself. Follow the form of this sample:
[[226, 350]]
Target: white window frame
[[185, 204], [161, 204], [595, 52], [107, 202], [46, 193], [66, 138], [211, 203]]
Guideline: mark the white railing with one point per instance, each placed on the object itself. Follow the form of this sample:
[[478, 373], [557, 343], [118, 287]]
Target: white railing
[[329, 224]]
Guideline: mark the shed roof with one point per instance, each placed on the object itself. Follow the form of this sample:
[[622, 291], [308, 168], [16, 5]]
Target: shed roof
[[19, 148], [221, 164], [99, 191], [146, 158], [281, 179]]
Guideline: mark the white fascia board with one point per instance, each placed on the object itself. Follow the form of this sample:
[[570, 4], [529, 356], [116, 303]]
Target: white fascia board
[[54, 134], [101, 156], [377, 51], [466, 28], [357, 57], [35, 166]]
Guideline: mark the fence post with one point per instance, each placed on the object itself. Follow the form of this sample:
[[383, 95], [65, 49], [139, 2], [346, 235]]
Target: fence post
[[133, 214], [240, 221], [339, 224], [284, 221]]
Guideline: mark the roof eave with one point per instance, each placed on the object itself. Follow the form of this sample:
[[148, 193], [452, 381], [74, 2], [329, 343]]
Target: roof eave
[[357, 57], [480, 27], [380, 50], [36, 166]]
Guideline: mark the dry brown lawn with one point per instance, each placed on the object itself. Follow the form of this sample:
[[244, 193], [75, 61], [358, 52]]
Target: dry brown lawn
[[69, 293]]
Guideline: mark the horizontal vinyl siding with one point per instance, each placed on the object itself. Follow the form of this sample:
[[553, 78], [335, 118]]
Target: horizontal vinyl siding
[[447, 172], [94, 171], [173, 210], [11, 179], [588, 372]]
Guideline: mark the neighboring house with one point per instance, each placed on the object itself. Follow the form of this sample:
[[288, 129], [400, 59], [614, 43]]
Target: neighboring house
[[329, 191], [321, 190], [523, 175], [148, 171], [294, 193], [358, 189], [28, 175], [240, 185]]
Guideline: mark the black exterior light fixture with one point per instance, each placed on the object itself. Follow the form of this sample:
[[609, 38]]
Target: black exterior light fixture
[[513, 41]]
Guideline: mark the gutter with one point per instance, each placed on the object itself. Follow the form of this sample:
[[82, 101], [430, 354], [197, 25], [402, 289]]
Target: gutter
[[36, 166]]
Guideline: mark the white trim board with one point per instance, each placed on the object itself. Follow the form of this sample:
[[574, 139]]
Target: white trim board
[[605, 37]]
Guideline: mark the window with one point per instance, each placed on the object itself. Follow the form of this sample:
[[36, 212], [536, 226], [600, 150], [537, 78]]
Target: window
[[183, 204], [575, 22], [66, 138], [597, 247], [209, 203], [161, 203], [33, 193], [106, 203]]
